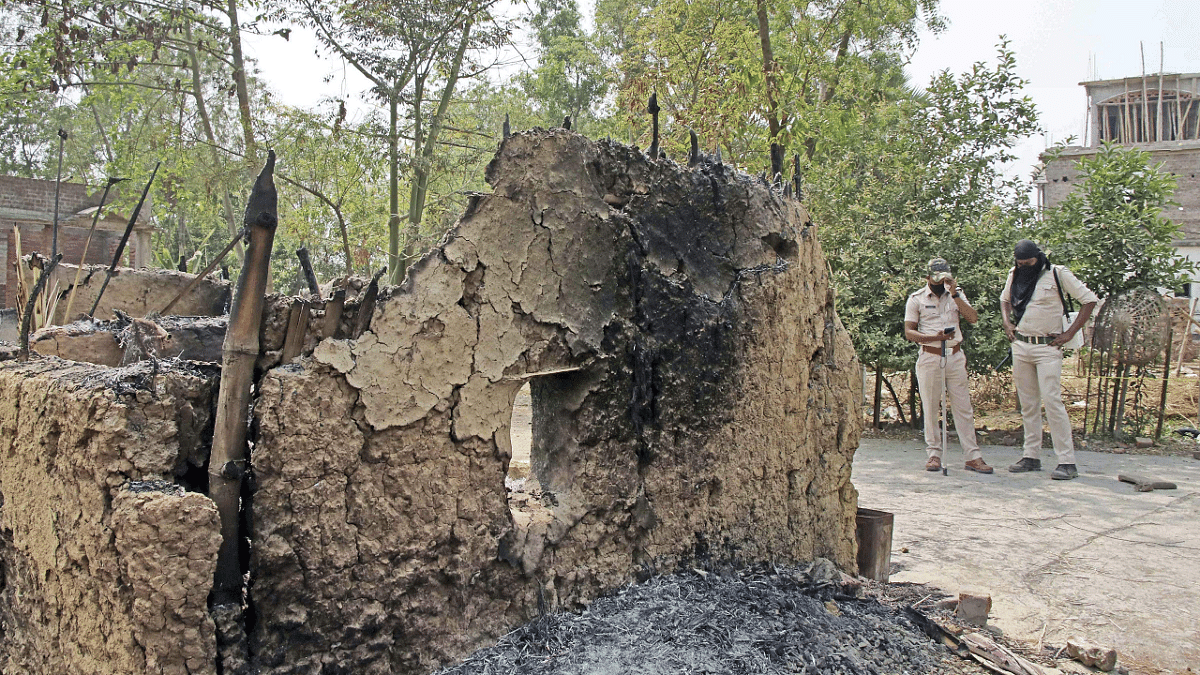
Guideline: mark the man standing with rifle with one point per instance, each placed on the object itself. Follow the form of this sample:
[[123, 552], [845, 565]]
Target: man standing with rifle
[[1033, 304], [931, 320]]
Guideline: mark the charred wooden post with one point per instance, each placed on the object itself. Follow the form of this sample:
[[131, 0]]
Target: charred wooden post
[[297, 330], [27, 317], [798, 178], [507, 129], [228, 458], [62, 138], [367, 307], [310, 277], [124, 239], [653, 110], [333, 314], [694, 153]]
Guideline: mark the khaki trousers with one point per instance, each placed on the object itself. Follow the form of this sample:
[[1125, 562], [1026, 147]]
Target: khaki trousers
[[958, 397], [1037, 372]]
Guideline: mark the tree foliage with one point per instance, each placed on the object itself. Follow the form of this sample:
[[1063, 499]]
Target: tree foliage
[[928, 181]]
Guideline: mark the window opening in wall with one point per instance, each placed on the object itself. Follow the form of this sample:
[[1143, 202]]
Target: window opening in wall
[[520, 432]]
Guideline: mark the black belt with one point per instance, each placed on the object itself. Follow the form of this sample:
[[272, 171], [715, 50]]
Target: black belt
[[1036, 340]]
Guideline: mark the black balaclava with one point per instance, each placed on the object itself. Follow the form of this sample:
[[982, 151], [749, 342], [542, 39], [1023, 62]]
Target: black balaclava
[[1025, 278]]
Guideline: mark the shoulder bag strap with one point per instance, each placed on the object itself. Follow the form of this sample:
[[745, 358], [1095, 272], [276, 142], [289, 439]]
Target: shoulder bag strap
[[1058, 287]]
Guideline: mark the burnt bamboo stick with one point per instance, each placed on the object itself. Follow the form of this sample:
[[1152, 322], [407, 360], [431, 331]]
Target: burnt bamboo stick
[[62, 138], [207, 270], [367, 307], [27, 316], [309, 276], [293, 342], [87, 244], [227, 462], [124, 239]]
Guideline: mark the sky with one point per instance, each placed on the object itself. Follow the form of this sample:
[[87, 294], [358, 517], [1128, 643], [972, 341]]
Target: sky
[[1058, 44]]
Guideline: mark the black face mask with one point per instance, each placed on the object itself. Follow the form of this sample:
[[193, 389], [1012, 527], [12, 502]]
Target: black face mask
[[938, 289]]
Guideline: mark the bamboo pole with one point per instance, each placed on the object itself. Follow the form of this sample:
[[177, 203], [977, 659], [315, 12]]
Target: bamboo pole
[[1158, 133], [309, 276], [207, 270], [124, 240], [87, 244], [1145, 98], [62, 138], [1180, 121], [227, 461], [1162, 403], [1126, 122]]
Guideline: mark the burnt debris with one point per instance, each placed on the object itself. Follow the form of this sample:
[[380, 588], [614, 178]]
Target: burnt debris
[[761, 619]]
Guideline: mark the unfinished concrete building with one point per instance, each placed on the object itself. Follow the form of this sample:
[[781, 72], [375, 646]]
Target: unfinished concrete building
[[695, 399], [1157, 113]]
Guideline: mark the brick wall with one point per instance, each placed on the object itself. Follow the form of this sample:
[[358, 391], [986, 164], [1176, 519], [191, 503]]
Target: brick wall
[[1180, 158]]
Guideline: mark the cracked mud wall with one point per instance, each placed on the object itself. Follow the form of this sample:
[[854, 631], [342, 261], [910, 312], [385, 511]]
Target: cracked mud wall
[[106, 563], [694, 398]]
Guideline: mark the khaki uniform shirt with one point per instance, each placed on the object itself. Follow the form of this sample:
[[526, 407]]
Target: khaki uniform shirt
[[932, 313], [1043, 314]]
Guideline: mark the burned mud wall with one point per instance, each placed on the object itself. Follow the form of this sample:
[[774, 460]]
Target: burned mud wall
[[105, 562], [694, 399]]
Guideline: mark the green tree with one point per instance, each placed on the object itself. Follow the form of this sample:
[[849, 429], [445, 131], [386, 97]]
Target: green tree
[[571, 77], [1111, 230], [927, 180]]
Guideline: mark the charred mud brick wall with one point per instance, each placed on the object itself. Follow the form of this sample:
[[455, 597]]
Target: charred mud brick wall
[[695, 397], [105, 562]]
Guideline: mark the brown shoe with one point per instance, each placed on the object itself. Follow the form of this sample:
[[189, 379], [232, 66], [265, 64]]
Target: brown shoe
[[934, 464], [977, 465]]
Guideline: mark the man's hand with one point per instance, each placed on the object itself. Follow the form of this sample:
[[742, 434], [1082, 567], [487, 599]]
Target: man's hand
[[951, 285], [1062, 339], [1010, 331]]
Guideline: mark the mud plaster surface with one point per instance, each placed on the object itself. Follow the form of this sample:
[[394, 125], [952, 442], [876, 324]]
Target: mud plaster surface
[[106, 564], [692, 393]]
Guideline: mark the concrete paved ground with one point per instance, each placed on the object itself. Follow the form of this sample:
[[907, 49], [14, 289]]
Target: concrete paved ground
[[1091, 557]]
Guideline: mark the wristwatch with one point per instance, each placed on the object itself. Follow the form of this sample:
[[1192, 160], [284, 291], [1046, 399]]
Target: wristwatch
[[954, 294]]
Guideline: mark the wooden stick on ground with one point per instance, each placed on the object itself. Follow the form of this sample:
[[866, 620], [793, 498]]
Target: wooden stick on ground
[[228, 459]]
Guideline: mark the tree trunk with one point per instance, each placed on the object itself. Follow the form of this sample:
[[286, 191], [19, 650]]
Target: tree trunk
[[243, 91], [394, 189], [227, 462], [206, 122], [420, 185], [768, 56]]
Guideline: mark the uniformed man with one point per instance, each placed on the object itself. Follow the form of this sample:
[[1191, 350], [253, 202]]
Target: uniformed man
[[931, 320], [1032, 307]]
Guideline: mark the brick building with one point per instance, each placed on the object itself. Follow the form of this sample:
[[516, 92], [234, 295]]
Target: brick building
[[1157, 113], [27, 205]]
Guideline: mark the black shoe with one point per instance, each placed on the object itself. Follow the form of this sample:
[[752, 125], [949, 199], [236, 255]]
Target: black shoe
[[1026, 464], [1064, 472]]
